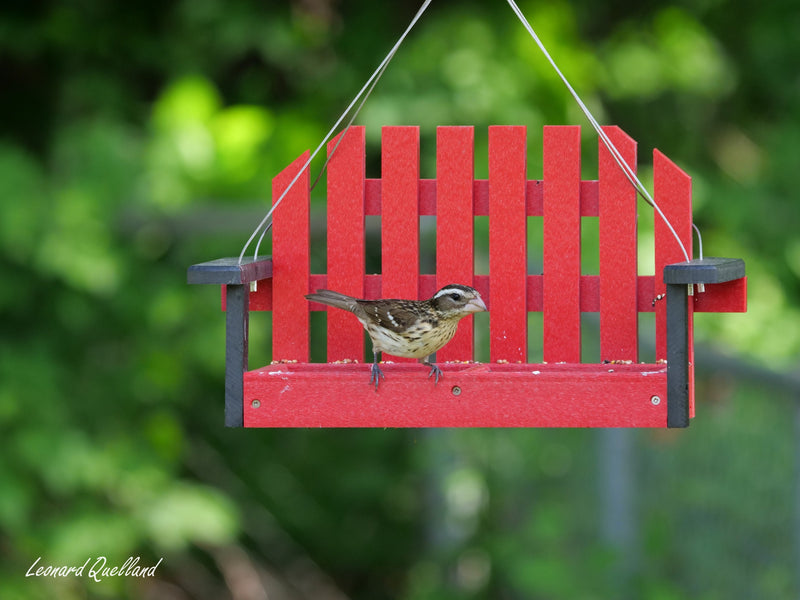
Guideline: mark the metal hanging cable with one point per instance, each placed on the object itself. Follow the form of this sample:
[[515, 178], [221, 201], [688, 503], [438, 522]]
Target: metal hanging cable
[[618, 158], [266, 222]]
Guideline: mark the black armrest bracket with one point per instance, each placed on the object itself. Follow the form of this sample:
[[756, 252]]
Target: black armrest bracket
[[679, 277], [236, 278]]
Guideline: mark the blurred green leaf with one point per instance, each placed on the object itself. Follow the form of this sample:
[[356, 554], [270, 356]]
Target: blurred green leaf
[[190, 514]]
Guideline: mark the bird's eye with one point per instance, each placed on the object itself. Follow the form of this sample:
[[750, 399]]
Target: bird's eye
[[456, 296]]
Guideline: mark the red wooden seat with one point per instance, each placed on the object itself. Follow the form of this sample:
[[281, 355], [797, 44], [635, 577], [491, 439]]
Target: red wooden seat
[[507, 391]]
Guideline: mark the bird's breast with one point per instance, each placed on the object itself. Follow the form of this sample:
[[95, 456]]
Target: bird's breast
[[418, 341]]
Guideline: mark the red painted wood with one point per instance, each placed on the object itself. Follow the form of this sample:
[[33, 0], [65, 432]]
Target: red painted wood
[[261, 299], [508, 244], [400, 212], [489, 395], [290, 264], [619, 327], [480, 198], [590, 294], [590, 199], [730, 296], [672, 191], [372, 197], [427, 286], [561, 254], [427, 197], [455, 224], [534, 197], [535, 294], [723, 297], [346, 241]]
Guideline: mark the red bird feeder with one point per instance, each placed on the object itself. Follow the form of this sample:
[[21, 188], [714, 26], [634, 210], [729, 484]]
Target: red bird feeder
[[507, 391]]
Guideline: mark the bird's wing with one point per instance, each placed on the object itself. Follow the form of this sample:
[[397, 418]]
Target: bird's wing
[[394, 315]]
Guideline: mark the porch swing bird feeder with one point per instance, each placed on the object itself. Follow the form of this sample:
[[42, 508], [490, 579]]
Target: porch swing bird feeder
[[508, 391]]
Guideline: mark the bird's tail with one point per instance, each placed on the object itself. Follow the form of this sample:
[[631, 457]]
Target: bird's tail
[[334, 299]]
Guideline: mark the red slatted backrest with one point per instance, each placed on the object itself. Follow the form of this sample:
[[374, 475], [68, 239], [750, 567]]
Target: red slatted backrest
[[619, 328], [561, 236], [508, 244], [345, 232], [399, 217], [291, 248], [561, 293], [455, 258]]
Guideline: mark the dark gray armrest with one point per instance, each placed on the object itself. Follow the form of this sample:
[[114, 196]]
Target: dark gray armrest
[[235, 276], [228, 271]]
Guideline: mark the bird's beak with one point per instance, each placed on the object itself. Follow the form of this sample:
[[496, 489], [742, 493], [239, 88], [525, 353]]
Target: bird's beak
[[475, 305]]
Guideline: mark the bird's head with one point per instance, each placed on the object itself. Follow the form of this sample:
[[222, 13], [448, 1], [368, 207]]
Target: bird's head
[[457, 301]]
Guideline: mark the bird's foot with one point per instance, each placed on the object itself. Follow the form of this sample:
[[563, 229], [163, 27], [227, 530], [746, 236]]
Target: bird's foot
[[435, 372], [376, 375]]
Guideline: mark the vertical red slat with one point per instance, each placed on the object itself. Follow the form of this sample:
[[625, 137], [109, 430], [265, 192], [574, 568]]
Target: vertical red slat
[[346, 174], [290, 264], [507, 243], [618, 252], [455, 171], [400, 214], [561, 254], [672, 191]]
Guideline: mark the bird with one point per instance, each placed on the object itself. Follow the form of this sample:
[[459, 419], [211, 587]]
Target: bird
[[408, 328]]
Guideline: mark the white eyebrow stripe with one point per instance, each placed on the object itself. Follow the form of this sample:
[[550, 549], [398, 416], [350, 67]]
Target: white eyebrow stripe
[[450, 290]]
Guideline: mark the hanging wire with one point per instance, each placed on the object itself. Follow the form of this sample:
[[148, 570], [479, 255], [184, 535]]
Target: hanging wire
[[266, 222], [699, 240], [327, 160], [349, 123], [701, 287], [330, 154], [626, 169]]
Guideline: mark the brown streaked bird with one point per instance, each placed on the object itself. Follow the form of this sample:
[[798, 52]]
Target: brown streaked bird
[[408, 328]]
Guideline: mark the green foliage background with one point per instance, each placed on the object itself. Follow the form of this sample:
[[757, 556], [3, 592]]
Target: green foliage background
[[138, 139]]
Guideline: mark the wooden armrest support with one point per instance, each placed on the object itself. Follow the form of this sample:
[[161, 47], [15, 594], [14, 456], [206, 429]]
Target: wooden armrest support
[[677, 277], [228, 271], [234, 276], [706, 270]]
